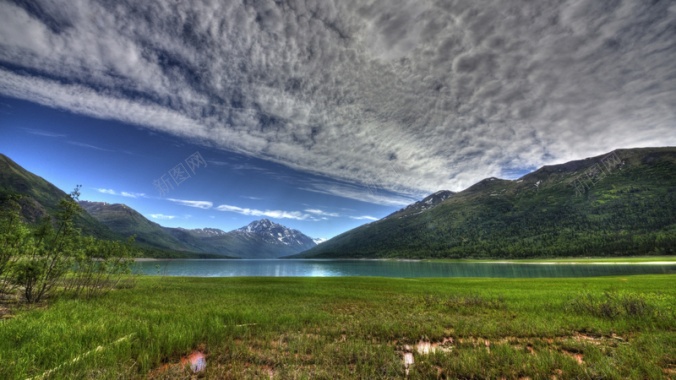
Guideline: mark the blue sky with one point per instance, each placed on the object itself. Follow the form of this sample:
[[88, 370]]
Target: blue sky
[[120, 163], [324, 115]]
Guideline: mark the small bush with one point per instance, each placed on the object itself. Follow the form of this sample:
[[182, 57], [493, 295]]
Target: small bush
[[54, 258]]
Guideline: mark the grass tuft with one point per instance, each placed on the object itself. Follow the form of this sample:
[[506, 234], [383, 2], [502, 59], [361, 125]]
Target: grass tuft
[[614, 305]]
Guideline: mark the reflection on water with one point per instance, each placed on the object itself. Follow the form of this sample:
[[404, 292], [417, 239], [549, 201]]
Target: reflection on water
[[377, 268]]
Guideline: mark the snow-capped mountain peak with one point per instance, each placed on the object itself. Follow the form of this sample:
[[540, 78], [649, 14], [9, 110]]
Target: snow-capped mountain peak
[[277, 234], [261, 226]]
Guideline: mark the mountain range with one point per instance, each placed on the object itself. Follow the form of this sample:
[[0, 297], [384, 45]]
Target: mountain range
[[620, 203], [616, 204], [259, 239]]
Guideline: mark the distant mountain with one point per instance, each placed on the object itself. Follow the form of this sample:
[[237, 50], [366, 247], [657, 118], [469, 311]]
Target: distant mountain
[[260, 239], [620, 203], [40, 198], [270, 239]]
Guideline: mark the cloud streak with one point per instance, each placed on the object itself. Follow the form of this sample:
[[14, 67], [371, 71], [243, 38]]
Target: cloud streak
[[204, 205], [407, 98], [89, 146], [162, 216], [132, 195], [121, 193], [322, 213], [364, 217], [39, 132], [277, 214], [365, 192]]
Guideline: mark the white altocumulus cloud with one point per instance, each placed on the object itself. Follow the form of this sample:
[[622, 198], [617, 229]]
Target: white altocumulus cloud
[[404, 97]]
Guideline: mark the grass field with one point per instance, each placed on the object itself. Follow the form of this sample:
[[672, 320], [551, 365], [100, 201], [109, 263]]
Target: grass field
[[328, 328]]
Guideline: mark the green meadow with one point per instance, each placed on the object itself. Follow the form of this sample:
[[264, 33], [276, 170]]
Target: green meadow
[[328, 328]]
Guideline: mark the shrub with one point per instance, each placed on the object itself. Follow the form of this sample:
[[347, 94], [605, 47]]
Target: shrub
[[55, 257]]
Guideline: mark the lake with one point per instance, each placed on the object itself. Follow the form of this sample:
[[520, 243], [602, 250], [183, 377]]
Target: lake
[[389, 268]]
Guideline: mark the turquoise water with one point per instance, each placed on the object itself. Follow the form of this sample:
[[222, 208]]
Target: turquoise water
[[378, 268]]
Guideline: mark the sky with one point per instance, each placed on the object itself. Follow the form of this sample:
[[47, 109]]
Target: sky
[[323, 115]]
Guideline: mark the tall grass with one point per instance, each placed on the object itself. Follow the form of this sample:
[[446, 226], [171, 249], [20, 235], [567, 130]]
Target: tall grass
[[614, 304]]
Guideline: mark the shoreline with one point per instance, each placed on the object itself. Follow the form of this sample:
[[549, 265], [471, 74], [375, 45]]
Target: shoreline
[[634, 260]]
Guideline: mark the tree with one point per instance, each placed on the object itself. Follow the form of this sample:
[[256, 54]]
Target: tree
[[13, 236], [47, 260], [98, 266]]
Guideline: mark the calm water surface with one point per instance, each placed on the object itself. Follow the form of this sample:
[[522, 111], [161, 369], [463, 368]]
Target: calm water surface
[[378, 268]]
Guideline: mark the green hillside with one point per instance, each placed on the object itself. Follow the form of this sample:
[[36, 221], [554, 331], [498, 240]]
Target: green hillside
[[621, 203], [39, 198], [128, 222]]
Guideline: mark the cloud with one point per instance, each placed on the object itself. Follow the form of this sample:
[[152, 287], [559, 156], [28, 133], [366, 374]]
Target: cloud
[[205, 205], [89, 146], [368, 193], [307, 214], [162, 216], [405, 98], [121, 193], [39, 132], [252, 198], [322, 213], [277, 214], [132, 195], [363, 217]]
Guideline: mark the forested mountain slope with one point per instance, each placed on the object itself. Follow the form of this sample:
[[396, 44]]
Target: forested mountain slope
[[620, 203]]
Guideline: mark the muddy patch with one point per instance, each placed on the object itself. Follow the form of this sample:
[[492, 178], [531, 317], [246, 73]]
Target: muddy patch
[[579, 357], [423, 347], [193, 363], [426, 347], [408, 361], [530, 345]]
